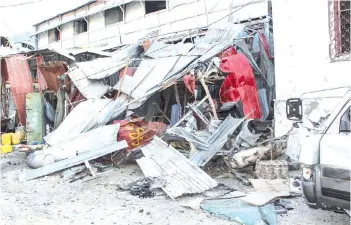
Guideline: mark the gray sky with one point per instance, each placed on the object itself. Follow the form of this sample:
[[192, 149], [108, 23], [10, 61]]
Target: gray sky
[[21, 18]]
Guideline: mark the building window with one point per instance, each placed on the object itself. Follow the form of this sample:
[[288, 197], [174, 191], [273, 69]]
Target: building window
[[80, 26], [339, 25], [345, 122], [113, 16], [4, 42], [54, 35], [154, 6], [24, 45]]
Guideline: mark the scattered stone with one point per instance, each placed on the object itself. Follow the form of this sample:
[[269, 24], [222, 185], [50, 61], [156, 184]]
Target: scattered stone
[[148, 213], [141, 210]]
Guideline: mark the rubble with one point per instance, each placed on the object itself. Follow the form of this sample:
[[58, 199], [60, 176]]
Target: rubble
[[172, 107], [171, 171]]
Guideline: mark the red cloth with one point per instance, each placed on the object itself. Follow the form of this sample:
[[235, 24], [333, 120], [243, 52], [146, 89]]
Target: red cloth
[[138, 132], [189, 81], [230, 51], [240, 84]]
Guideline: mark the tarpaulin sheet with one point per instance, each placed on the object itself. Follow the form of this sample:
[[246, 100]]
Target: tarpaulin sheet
[[20, 82], [41, 81], [51, 71], [240, 84], [138, 132]]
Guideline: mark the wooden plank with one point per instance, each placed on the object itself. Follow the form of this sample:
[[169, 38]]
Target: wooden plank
[[210, 100], [67, 163], [87, 164]]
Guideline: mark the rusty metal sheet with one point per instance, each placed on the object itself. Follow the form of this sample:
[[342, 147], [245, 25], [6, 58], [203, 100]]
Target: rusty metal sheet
[[41, 81], [51, 71], [20, 82]]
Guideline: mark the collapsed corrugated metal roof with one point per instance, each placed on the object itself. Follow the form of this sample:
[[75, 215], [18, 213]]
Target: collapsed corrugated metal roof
[[91, 89], [149, 74], [86, 116], [104, 67], [161, 50], [172, 172], [92, 140], [216, 140], [168, 61], [219, 37]]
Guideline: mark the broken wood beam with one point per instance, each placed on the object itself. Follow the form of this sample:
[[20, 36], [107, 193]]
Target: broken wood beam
[[210, 100]]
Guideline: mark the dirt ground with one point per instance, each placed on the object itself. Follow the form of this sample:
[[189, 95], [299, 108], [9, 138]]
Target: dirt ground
[[50, 201]]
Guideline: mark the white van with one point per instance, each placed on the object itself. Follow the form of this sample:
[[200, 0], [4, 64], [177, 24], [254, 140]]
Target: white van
[[325, 154]]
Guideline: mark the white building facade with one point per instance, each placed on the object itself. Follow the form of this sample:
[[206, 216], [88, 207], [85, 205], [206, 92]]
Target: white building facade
[[311, 49], [118, 22]]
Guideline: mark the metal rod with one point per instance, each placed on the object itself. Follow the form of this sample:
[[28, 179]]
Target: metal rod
[[189, 113]]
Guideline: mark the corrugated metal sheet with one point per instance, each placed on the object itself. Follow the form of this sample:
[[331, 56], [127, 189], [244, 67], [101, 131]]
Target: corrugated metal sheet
[[49, 111], [20, 79], [219, 37], [216, 141], [174, 173], [6, 52], [34, 117], [91, 89], [41, 80], [149, 74], [51, 72], [92, 140], [87, 116], [104, 67], [101, 68], [182, 63], [245, 50], [161, 50]]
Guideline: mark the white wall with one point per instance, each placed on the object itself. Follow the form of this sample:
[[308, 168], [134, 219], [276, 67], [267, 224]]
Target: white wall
[[301, 45], [193, 14]]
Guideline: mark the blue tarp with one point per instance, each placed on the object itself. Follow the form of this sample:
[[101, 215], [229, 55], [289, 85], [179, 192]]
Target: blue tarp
[[238, 210]]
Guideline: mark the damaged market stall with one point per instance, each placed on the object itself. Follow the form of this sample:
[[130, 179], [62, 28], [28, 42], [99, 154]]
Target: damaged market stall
[[213, 95]]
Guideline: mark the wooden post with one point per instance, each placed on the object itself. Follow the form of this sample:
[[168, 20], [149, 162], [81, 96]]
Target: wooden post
[[122, 81], [210, 100]]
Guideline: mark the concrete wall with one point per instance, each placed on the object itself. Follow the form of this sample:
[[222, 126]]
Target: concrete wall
[[302, 62], [180, 15]]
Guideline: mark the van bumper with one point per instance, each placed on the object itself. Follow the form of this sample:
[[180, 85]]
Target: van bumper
[[309, 191]]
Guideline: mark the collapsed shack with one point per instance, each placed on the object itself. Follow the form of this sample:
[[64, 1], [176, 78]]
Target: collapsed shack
[[164, 103]]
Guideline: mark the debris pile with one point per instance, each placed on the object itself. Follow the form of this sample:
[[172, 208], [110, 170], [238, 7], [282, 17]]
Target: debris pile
[[175, 107]]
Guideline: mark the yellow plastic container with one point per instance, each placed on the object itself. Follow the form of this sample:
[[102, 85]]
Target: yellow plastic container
[[6, 148], [6, 139], [16, 138]]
